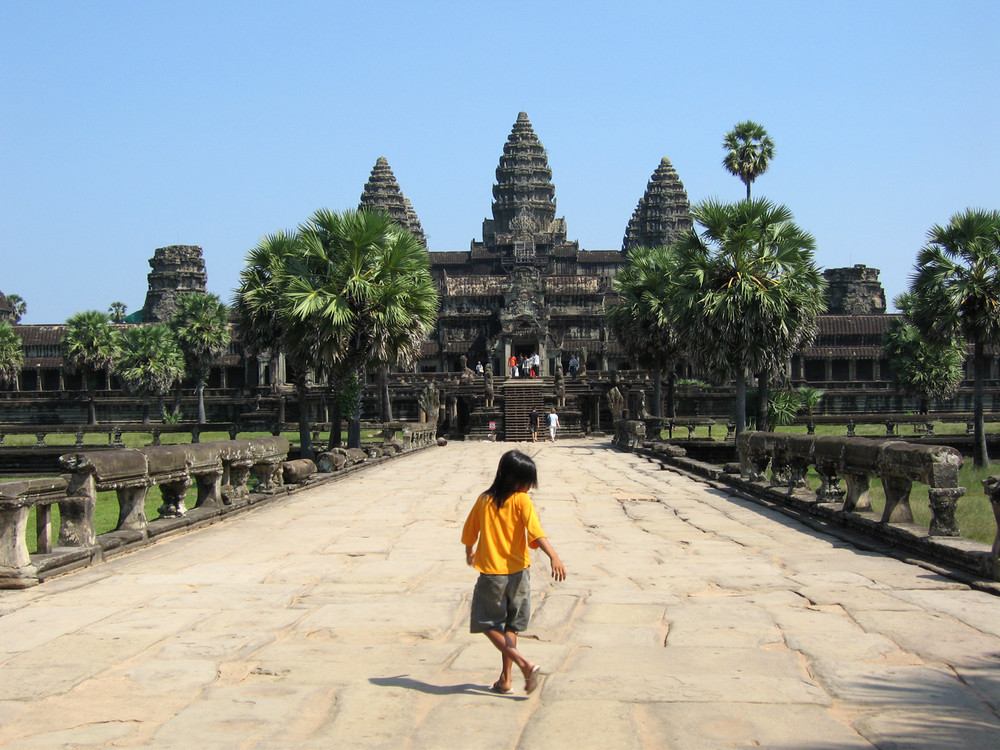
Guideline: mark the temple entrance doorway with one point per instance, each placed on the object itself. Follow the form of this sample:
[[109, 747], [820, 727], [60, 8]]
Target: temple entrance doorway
[[524, 348]]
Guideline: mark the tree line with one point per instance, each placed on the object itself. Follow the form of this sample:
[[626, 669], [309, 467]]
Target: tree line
[[738, 294]]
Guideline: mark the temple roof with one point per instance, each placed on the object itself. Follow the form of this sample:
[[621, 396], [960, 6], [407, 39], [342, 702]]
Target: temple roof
[[382, 193]]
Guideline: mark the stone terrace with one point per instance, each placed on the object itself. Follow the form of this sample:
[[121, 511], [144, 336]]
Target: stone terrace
[[338, 618]]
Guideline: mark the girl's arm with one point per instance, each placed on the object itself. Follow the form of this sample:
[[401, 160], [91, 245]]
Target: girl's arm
[[558, 569], [470, 555]]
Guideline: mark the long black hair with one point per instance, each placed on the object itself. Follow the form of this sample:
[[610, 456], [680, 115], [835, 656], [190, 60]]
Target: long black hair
[[515, 473]]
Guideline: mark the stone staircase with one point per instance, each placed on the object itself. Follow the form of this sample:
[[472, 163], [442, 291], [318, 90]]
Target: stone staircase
[[520, 396]]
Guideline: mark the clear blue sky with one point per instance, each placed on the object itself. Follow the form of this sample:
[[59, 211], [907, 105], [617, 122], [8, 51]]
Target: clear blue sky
[[128, 126]]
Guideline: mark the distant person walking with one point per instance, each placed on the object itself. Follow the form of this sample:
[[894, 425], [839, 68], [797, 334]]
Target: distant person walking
[[553, 420], [500, 528], [574, 366], [533, 425]]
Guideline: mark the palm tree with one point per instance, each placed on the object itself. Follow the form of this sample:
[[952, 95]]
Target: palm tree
[[90, 345], [264, 320], [748, 290], [749, 151], [641, 317], [18, 306], [150, 364], [956, 291], [11, 354], [117, 311], [201, 328], [364, 283], [922, 366]]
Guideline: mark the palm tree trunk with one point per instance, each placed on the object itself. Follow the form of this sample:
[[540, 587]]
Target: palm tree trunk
[[980, 456], [741, 402], [671, 399], [305, 435], [336, 424], [383, 389], [200, 389], [658, 392], [354, 425], [762, 399]]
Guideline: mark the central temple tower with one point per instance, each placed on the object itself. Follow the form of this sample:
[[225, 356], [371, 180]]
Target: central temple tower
[[524, 229]]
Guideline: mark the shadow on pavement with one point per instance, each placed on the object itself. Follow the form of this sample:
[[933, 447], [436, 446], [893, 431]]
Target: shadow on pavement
[[467, 688]]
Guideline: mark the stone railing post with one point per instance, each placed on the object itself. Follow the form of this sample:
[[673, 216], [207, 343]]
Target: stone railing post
[[16, 500], [76, 512], [992, 487]]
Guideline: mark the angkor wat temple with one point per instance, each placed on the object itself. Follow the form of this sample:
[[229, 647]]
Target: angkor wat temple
[[523, 289]]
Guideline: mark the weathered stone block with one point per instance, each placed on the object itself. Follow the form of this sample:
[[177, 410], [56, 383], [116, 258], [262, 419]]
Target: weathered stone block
[[298, 471]]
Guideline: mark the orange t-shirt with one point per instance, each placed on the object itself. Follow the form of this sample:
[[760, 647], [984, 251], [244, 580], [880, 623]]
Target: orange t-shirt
[[504, 534]]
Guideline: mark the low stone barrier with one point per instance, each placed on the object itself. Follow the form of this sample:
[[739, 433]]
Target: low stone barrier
[[773, 468], [897, 463], [221, 471]]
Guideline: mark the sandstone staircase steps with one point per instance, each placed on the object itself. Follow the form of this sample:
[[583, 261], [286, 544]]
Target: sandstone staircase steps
[[520, 396]]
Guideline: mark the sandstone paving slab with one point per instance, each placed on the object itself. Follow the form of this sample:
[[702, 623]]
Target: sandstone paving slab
[[905, 730], [275, 621], [233, 715], [156, 622], [30, 683], [709, 726], [415, 613], [595, 635], [248, 595], [318, 661], [622, 613], [930, 689], [829, 634], [976, 609], [685, 674], [830, 578], [472, 718], [856, 598], [217, 645], [120, 701], [580, 724], [720, 622], [931, 635], [91, 735], [371, 716], [33, 626]]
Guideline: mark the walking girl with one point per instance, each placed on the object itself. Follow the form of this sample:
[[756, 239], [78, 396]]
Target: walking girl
[[498, 533]]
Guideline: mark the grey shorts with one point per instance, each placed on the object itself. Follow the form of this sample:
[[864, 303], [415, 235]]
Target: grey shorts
[[501, 603]]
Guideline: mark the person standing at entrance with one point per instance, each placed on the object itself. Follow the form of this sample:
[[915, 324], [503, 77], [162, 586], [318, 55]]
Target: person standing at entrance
[[553, 420], [512, 366], [533, 425], [574, 366]]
